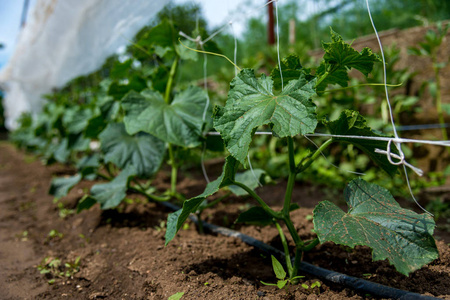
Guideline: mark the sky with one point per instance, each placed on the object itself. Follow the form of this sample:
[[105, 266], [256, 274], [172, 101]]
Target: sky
[[217, 13]]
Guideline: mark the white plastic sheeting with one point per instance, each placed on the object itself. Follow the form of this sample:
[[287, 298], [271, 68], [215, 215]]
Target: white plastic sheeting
[[64, 39]]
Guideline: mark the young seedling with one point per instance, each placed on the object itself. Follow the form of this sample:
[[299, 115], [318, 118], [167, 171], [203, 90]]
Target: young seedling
[[281, 275]]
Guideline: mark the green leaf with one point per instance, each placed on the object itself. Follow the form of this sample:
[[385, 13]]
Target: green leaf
[[376, 220], [291, 68], [135, 83], [110, 194], [352, 123], [281, 283], [175, 220], [142, 150], [339, 58], [340, 54], [76, 119], [160, 36], [178, 123], [176, 296], [249, 178], [61, 152], [60, 186], [278, 269], [251, 103], [85, 203], [255, 216]]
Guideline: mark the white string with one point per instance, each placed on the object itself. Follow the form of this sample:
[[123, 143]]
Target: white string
[[202, 163], [278, 45], [389, 155], [235, 48]]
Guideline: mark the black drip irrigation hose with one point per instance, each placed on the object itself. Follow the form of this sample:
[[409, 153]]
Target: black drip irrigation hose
[[355, 283]]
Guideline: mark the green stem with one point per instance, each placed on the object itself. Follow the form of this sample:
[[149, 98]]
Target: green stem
[[325, 75], [286, 250], [303, 166], [260, 201], [200, 228], [297, 261], [149, 196], [173, 177], [291, 179], [294, 234], [172, 73], [310, 245]]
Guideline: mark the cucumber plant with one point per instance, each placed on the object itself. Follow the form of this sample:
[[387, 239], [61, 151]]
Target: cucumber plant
[[282, 103]]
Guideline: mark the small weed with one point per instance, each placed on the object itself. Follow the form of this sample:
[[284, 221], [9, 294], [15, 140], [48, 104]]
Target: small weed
[[161, 227], [283, 282], [52, 235], [53, 268], [62, 210], [23, 236]]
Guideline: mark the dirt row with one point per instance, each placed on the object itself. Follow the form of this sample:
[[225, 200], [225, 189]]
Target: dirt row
[[120, 254]]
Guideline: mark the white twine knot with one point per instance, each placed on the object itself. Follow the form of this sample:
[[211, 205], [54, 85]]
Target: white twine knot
[[401, 157]]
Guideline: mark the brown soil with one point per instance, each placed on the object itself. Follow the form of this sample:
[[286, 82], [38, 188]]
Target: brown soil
[[122, 253]]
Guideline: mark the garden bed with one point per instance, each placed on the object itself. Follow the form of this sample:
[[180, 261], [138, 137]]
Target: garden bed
[[122, 253]]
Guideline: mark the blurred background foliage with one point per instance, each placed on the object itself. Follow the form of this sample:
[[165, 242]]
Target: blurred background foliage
[[138, 66]]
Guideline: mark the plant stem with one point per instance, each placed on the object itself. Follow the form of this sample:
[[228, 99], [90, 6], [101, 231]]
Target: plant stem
[[200, 228], [325, 75], [286, 250], [311, 244], [297, 262], [260, 201], [303, 166], [173, 70], [173, 177], [291, 179], [149, 196]]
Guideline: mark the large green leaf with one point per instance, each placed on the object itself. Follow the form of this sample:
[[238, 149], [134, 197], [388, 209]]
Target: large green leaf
[[251, 103], [60, 186], [376, 220], [142, 150], [110, 194], [76, 119], [340, 57], [352, 123], [179, 123], [175, 220]]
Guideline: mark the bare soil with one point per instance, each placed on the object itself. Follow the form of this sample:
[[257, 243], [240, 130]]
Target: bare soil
[[122, 253]]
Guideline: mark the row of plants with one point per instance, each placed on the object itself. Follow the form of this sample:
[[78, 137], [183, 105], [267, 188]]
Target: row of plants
[[127, 127]]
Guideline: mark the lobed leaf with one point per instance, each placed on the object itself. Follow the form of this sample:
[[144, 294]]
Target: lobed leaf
[[175, 220], [291, 69], [339, 58], [142, 150], [376, 220], [251, 103], [352, 123], [178, 123], [110, 194], [61, 186]]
